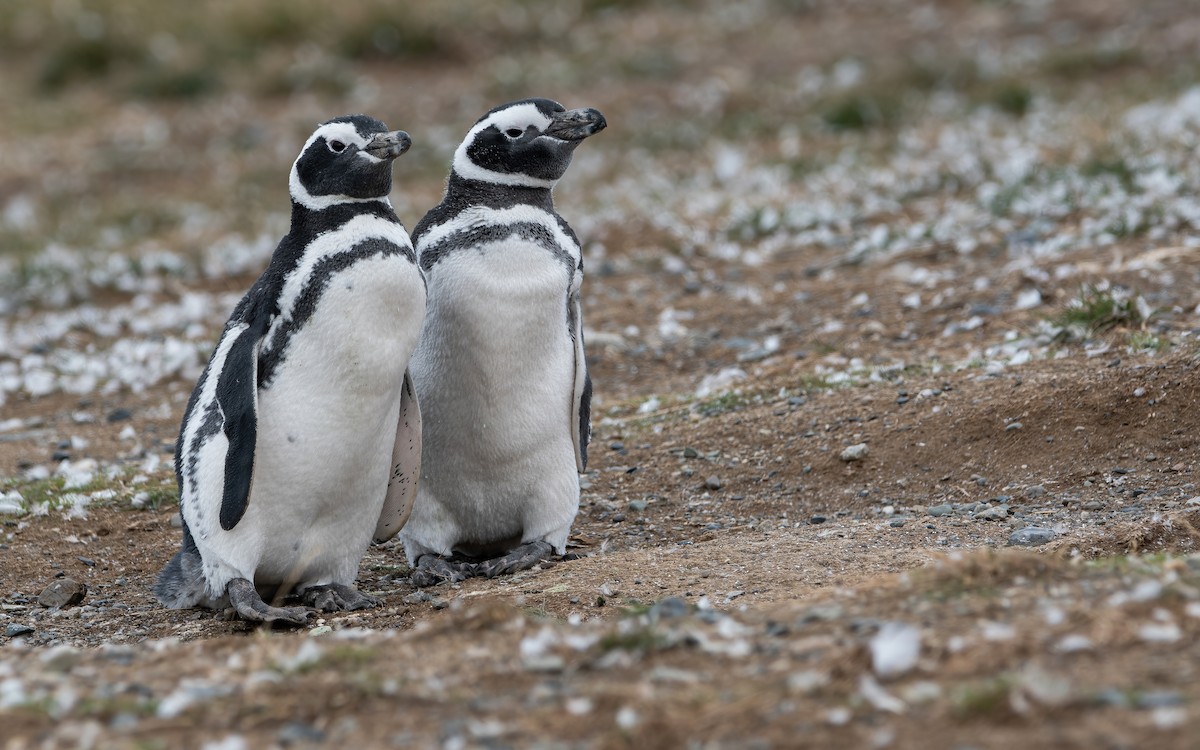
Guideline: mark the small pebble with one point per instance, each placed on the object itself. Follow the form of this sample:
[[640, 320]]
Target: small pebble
[[119, 415], [896, 523], [712, 483], [1034, 491], [1013, 426], [944, 509], [817, 519], [15, 629]]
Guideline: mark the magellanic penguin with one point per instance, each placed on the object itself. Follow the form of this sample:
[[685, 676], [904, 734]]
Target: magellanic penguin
[[500, 368], [301, 441]]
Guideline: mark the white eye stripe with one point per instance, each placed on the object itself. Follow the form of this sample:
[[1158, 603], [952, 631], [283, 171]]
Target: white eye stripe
[[519, 117], [336, 131]]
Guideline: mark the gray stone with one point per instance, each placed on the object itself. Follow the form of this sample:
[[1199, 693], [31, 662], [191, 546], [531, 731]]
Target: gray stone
[[712, 483], [297, 733], [1013, 426], [64, 592], [672, 606], [995, 513], [11, 504], [1031, 536], [119, 415], [854, 452], [1159, 699], [944, 509], [15, 629], [1034, 491], [417, 597]]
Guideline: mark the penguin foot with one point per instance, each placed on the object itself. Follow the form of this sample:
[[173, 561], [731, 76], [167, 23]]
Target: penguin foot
[[521, 558], [338, 597], [433, 569], [250, 606]]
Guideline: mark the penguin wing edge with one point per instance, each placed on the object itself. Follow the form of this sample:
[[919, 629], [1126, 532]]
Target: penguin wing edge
[[581, 412], [405, 466]]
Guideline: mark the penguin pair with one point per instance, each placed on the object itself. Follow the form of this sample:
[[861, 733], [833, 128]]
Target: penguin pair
[[303, 439]]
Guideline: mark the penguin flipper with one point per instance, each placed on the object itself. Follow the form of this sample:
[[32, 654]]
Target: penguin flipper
[[237, 396], [405, 466], [581, 411]]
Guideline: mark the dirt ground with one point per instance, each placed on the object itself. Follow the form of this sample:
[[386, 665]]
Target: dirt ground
[[808, 515]]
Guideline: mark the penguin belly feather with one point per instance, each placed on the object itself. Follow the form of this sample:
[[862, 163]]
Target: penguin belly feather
[[494, 372]]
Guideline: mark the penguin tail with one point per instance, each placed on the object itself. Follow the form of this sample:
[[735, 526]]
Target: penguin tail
[[181, 583]]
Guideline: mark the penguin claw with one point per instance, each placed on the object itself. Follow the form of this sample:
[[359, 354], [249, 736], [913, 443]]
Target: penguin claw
[[433, 569], [249, 605], [521, 558], [338, 597]]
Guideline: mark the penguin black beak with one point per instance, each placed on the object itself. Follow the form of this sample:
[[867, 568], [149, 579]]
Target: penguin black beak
[[388, 145], [576, 124]]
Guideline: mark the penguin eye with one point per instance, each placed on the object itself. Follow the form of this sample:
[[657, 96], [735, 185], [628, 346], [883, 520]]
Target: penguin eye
[[513, 132], [337, 147]]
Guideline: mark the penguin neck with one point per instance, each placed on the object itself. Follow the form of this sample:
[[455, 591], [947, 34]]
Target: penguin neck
[[464, 192], [308, 222]]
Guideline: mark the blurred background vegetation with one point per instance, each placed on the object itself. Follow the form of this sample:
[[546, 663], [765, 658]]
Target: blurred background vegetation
[[132, 121]]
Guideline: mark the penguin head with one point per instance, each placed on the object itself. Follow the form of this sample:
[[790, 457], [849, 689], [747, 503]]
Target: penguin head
[[346, 159], [527, 143]]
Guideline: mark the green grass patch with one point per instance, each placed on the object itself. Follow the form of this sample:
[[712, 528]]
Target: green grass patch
[[724, 403], [1097, 310], [862, 111], [982, 699], [643, 640], [1144, 341], [1107, 162]]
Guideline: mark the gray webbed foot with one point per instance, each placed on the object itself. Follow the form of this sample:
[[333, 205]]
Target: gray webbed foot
[[250, 606], [521, 558], [338, 597], [433, 569]]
